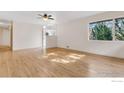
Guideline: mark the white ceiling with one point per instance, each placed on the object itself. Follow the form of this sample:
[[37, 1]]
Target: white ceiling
[[31, 16], [66, 16]]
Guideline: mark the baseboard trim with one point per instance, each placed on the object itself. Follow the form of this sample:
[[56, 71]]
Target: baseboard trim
[[91, 53], [68, 49]]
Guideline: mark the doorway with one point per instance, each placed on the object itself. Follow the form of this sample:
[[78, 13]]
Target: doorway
[[5, 35]]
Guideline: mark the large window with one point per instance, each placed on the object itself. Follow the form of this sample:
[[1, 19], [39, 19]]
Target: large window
[[101, 30], [119, 29], [107, 30]]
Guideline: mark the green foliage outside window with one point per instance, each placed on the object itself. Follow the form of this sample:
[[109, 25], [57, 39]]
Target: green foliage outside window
[[101, 30], [119, 29]]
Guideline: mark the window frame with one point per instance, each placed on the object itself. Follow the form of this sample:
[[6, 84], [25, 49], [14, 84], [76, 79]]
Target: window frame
[[113, 29], [98, 22]]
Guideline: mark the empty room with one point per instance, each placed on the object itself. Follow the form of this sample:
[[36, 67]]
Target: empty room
[[61, 44]]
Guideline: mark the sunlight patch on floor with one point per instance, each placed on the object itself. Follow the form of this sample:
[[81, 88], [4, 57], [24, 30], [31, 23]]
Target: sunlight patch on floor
[[75, 56], [68, 58], [52, 54], [64, 61], [59, 60]]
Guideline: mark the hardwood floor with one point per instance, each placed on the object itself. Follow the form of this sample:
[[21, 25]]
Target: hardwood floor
[[4, 48], [58, 63]]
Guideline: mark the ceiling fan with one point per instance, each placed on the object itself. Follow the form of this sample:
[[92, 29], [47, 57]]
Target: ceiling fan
[[45, 17]]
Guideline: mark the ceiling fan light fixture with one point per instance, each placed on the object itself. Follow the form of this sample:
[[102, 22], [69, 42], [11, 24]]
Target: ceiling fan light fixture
[[45, 18]]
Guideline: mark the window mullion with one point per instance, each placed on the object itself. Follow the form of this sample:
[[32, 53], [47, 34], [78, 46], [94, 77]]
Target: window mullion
[[113, 30]]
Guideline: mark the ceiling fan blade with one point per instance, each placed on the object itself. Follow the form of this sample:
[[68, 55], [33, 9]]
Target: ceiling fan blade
[[40, 15], [49, 15], [51, 18]]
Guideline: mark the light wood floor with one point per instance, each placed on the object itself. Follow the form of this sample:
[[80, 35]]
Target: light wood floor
[[58, 63], [4, 48]]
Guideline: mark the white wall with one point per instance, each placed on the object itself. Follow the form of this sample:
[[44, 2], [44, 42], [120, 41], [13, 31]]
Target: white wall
[[75, 35], [26, 35]]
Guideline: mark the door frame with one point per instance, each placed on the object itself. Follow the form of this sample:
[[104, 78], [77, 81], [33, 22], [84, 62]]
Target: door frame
[[11, 36]]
